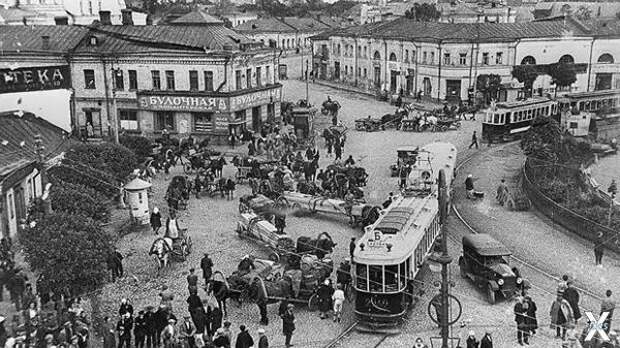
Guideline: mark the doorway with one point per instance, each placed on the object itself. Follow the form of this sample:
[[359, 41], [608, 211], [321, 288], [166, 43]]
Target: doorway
[[409, 83], [377, 77], [256, 120], [428, 87], [337, 70], [453, 90], [393, 80]]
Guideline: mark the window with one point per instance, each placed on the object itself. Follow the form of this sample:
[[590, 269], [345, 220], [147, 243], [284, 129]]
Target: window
[[156, 79], [128, 119], [203, 121], [346, 69], [238, 79], [89, 79], [359, 51], [338, 51], [268, 74], [407, 56], [208, 81], [164, 119], [11, 205], [377, 55], [193, 80], [392, 57], [567, 59], [424, 56], [485, 58], [499, 58], [463, 58], [365, 72], [119, 82], [432, 58], [133, 80], [365, 53], [240, 115], [359, 71], [361, 279], [529, 60], [170, 80], [446, 58], [248, 78], [413, 57], [259, 76]]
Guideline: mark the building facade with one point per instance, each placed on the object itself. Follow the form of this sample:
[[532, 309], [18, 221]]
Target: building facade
[[288, 33], [443, 60]]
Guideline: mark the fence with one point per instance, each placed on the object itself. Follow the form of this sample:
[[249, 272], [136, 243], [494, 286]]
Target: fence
[[567, 218]]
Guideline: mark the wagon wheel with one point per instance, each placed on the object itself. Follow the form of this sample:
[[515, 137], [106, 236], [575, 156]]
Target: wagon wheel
[[313, 303], [273, 256], [282, 202]]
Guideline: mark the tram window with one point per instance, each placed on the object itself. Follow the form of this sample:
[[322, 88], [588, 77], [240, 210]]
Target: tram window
[[529, 114], [546, 110], [402, 271], [375, 278], [496, 118], [361, 271], [391, 278], [408, 267], [501, 118]]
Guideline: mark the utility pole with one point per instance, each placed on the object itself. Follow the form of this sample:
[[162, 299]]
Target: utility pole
[[39, 149], [444, 260], [307, 97]]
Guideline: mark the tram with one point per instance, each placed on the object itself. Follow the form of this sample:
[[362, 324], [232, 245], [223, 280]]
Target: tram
[[386, 260], [591, 101], [506, 121]]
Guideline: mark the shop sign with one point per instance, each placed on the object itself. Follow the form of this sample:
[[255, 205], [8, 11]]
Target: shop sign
[[35, 79], [221, 122], [174, 103], [249, 100]]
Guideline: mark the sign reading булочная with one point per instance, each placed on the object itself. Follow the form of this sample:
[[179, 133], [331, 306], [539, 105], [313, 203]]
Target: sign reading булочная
[[35, 79]]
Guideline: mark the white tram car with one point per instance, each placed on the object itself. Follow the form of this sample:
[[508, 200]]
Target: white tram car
[[387, 258]]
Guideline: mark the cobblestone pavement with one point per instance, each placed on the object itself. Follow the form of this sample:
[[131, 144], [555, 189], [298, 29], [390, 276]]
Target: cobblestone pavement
[[211, 223], [606, 170]]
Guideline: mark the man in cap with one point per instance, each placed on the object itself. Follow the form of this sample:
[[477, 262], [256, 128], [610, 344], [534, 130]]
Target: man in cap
[[288, 325], [188, 330], [139, 329], [123, 328], [325, 294], [125, 307], [244, 339], [206, 264], [263, 342], [192, 281], [150, 327]]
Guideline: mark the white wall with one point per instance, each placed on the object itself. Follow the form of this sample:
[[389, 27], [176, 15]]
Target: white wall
[[53, 106]]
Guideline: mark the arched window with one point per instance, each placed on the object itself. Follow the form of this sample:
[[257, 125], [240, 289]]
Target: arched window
[[406, 55], [359, 51], [392, 57], [365, 54], [377, 55], [283, 43], [529, 60], [567, 59], [606, 58], [338, 51]]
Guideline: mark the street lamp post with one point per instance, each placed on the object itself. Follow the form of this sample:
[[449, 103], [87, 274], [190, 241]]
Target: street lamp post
[[306, 76], [612, 190]]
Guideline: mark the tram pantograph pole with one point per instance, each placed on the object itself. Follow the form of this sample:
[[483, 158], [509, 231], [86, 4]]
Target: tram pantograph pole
[[444, 260]]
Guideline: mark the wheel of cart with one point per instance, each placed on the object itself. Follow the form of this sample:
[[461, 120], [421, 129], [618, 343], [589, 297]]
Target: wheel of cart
[[242, 174], [282, 203], [182, 246]]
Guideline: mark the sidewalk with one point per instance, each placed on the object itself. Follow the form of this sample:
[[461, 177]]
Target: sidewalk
[[530, 235]]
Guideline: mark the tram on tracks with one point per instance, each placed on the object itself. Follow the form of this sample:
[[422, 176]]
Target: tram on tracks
[[591, 101], [387, 259]]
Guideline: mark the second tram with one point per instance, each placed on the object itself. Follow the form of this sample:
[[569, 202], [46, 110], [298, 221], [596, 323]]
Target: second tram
[[386, 260], [508, 120]]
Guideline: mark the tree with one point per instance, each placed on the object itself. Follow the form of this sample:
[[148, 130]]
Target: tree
[[423, 13], [489, 85], [526, 74], [141, 146], [562, 75], [68, 252], [77, 173], [113, 159], [543, 140], [79, 199]]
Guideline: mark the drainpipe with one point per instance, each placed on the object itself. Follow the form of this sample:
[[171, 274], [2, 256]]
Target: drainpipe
[[590, 64], [471, 65], [356, 58], [226, 74], [385, 58], [439, 74], [417, 72]]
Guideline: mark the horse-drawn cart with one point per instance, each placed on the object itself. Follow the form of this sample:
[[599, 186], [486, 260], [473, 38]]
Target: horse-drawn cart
[[177, 249]]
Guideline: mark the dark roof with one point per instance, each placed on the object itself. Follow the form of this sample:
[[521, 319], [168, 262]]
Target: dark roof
[[28, 39], [265, 25], [18, 130], [408, 29], [394, 220], [196, 17], [132, 39], [305, 24], [485, 245]]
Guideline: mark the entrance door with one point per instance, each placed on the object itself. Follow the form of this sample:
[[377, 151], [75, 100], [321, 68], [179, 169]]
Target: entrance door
[[410, 83], [323, 71], [256, 121], [428, 88], [453, 90], [393, 79], [337, 70], [377, 77]]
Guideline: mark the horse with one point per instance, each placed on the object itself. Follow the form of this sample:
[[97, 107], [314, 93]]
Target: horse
[[320, 246], [217, 166], [161, 249], [310, 168], [226, 186], [220, 291], [330, 107]]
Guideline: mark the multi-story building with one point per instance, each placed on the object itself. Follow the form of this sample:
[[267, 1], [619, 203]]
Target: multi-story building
[[472, 13], [237, 18], [198, 80], [288, 33], [443, 60]]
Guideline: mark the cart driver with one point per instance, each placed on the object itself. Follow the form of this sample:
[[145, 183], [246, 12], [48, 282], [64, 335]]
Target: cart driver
[[349, 201], [245, 265], [172, 227]]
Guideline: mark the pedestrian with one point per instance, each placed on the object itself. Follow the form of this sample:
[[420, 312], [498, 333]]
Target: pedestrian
[[352, 248], [216, 319], [419, 343], [279, 221], [207, 267], [192, 281], [561, 315], [244, 339], [155, 220], [520, 311], [325, 294], [109, 339], [530, 318], [166, 298], [474, 140], [261, 302], [502, 193], [471, 341], [288, 325], [329, 144], [118, 263], [608, 305], [188, 330], [220, 340], [283, 306], [169, 334], [599, 248], [123, 328], [139, 329], [228, 331], [161, 321], [469, 187], [486, 341], [125, 307], [232, 139], [572, 296], [338, 151], [263, 342], [388, 201], [338, 299], [150, 327]]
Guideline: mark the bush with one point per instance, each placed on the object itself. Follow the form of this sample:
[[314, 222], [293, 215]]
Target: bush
[[114, 159], [140, 146], [79, 199], [99, 181], [68, 251]]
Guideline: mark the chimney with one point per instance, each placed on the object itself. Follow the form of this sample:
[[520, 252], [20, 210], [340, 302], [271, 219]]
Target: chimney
[[126, 17], [105, 17], [46, 42], [64, 20]]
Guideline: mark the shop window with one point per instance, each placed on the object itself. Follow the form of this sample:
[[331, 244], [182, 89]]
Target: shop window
[[238, 79], [128, 119], [133, 80], [463, 58], [119, 81], [164, 119], [193, 80], [170, 80], [155, 77], [89, 79], [259, 76], [203, 121]]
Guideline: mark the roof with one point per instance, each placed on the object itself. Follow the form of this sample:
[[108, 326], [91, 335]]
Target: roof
[[196, 17], [28, 39], [394, 220], [265, 25], [485, 245], [17, 139], [137, 184], [305, 24], [596, 9], [131, 39]]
